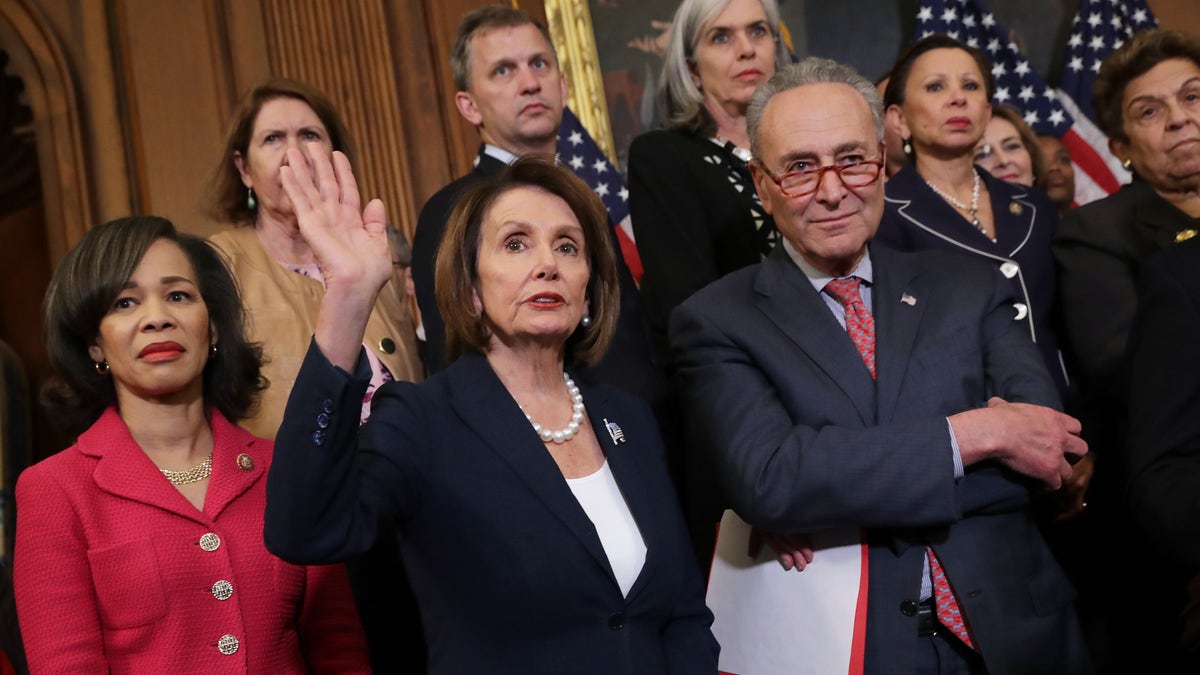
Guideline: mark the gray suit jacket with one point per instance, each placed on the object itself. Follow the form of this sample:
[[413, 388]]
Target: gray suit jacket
[[804, 440]]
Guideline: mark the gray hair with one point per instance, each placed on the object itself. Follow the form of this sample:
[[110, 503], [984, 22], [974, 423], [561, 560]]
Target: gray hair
[[680, 101], [812, 70]]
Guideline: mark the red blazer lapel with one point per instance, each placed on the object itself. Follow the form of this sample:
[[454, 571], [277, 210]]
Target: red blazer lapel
[[124, 470], [239, 461]]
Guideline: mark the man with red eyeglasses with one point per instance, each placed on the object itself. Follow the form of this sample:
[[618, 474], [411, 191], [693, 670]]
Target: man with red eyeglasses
[[843, 385]]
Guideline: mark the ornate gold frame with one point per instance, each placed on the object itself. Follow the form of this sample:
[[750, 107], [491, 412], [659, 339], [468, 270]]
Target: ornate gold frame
[[570, 24]]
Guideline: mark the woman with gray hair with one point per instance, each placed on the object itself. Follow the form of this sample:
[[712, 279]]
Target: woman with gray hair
[[695, 213]]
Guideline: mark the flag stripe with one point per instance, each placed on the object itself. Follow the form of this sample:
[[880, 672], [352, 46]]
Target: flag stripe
[[1089, 161]]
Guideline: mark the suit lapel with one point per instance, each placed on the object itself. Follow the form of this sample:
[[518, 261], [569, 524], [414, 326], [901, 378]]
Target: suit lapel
[[124, 470], [1162, 220], [915, 202], [1013, 213], [899, 303], [629, 471], [482, 402], [486, 165], [788, 300], [230, 479]]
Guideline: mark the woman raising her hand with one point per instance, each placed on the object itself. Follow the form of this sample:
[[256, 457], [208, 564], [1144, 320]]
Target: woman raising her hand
[[540, 529]]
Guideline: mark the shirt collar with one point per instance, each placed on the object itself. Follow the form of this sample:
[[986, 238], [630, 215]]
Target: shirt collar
[[499, 153], [817, 278]]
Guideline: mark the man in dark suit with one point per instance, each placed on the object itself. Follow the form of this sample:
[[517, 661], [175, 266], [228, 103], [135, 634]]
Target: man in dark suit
[[1163, 452], [510, 88], [845, 385]]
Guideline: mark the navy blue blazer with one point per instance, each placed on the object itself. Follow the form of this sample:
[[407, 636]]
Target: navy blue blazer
[[804, 441], [916, 218], [507, 569]]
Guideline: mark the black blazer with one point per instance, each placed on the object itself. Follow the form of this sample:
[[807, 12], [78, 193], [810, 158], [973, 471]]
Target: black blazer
[[692, 222], [507, 568], [1163, 451], [627, 364], [805, 440], [430, 226], [1100, 249], [916, 218]]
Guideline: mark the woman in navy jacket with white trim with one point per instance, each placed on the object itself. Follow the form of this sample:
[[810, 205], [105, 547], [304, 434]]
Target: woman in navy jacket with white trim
[[938, 99]]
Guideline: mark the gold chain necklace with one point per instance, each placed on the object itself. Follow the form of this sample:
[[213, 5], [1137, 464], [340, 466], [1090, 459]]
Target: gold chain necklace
[[193, 475]]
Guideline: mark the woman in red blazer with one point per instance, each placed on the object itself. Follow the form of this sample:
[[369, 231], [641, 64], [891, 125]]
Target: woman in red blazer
[[140, 549]]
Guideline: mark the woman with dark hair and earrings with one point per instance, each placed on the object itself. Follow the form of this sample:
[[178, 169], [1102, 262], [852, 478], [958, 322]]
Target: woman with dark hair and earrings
[[939, 98], [140, 549], [1147, 101]]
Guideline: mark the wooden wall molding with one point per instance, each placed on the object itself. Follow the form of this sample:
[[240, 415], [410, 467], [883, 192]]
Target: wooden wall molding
[[343, 48], [42, 65], [570, 25]]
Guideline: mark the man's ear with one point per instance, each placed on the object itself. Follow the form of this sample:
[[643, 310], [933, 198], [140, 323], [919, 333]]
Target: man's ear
[[762, 183], [466, 107]]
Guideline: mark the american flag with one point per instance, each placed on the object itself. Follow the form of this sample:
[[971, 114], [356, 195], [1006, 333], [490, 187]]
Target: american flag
[[1018, 85], [577, 150], [1099, 28]]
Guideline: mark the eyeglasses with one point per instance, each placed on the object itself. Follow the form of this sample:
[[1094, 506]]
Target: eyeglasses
[[805, 182]]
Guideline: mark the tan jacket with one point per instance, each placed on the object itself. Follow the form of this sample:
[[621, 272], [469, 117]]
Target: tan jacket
[[281, 313]]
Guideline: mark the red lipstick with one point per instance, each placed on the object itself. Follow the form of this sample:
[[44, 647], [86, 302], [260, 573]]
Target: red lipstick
[[161, 351], [546, 301]]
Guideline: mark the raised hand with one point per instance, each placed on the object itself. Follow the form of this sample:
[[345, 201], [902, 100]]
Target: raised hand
[[350, 245]]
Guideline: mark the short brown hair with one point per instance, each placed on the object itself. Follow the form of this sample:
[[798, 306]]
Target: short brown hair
[[81, 292], [458, 256], [484, 19], [226, 195], [1028, 139], [1135, 58]]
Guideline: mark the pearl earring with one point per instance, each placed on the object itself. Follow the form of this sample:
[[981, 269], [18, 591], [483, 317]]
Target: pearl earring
[[251, 202]]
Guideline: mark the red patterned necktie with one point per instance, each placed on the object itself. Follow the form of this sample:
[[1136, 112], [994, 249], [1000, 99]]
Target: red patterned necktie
[[859, 322], [861, 327], [948, 613]]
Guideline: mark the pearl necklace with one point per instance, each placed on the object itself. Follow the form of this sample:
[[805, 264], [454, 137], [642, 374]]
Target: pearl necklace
[[973, 209], [193, 475], [568, 432]]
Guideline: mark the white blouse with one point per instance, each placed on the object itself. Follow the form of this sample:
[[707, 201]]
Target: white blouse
[[606, 508]]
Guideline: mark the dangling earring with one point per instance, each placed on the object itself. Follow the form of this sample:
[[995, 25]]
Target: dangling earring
[[908, 147], [1128, 164], [251, 202], [212, 350], [587, 321], [102, 368]]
